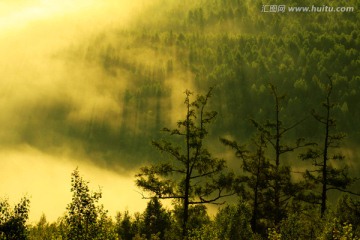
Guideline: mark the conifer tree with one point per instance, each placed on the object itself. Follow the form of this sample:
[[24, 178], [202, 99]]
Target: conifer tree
[[125, 226], [256, 175], [191, 175], [156, 219], [330, 172], [281, 187]]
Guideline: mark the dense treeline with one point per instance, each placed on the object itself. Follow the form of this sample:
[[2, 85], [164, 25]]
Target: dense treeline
[[272, 204], [231, 45], [86, 218]]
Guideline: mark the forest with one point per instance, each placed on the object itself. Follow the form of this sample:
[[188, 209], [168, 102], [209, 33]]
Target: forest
[[239, 124]]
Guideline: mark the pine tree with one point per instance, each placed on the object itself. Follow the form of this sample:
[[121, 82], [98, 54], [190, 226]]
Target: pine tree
[[328, 173], [281, 187], [156, 219], [255, 166], [125, 226], [191, 175]]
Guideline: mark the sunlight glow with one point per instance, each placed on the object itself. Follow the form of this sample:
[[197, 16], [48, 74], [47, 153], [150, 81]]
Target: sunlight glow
[[32, 35], [17, 15], [45, 179]]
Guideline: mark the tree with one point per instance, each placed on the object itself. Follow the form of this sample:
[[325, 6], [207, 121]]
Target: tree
[[191, 175], [44, 230], [327, 172], [13, 222], [197, 219], [125, 226], [156, 219], [256, 169], [281, 187], [84, 218], [233, 222], [348, 211]]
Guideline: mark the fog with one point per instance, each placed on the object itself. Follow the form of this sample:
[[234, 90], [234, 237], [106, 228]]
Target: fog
[[62, 109], [44, 95], [45, 180]]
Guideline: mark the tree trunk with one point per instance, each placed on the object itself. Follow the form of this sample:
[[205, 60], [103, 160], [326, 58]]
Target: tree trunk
[[324, 167], [277, 165], [253, 221], [186, 208], [187, 178]]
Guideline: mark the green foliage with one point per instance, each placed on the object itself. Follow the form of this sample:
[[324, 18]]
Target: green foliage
[[156, 220], [299, 226], [348, 211], [337, 231], [198, 217], [233, 222], [308, 226], [207, 231], [44, 230], [256, 168], [329, 171], [273, 234], [124, 226], [13, 221], [84, 218], [192, 175], [280, 188]]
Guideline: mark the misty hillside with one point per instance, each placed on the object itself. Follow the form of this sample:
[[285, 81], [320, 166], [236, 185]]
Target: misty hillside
[[125, 82], [185, 101], [176, 45]]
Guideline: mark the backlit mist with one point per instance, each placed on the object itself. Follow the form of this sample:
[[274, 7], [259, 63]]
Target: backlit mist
[[90, 84], [42, 92]]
